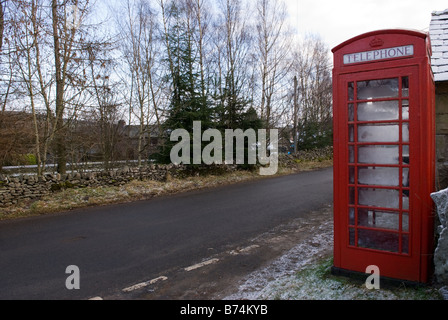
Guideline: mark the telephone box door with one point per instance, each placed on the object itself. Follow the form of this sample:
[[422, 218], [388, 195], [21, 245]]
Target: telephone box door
[[379, 138]]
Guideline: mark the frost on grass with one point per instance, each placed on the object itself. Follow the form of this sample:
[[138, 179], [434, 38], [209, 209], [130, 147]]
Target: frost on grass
[[263, 283], [303, 273]]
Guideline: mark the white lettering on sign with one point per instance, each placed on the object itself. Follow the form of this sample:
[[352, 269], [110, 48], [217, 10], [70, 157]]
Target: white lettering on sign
[[380, 54]]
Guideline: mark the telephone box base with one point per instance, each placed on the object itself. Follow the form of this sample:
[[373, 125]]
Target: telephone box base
[[361, 277]]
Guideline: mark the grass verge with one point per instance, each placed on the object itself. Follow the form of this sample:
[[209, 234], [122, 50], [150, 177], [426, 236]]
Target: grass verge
[[68, 199], [316, 282]]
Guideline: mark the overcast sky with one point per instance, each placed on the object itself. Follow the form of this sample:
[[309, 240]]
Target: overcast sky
[[339, 20]]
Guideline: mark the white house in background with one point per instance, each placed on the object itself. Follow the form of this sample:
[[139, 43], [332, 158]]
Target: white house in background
[[438, 31]]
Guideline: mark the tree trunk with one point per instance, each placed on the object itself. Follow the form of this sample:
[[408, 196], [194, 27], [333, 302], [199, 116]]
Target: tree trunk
[[2, 25], [295, 115], [61, 157]]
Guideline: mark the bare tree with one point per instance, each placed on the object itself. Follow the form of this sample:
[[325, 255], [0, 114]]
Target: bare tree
[[51, 81], [63, 42], [202, 34], [6, 58], [313, 70], [28, 70], [52, 62], [27, 41], [272, 51], [235, 54], [107, 113], [140, 52], [2, 23], [235, 67]]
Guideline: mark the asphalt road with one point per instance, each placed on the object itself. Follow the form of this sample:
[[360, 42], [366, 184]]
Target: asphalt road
[[120, 245]]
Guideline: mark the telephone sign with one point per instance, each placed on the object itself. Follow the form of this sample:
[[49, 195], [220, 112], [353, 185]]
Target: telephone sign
[[380, 54]]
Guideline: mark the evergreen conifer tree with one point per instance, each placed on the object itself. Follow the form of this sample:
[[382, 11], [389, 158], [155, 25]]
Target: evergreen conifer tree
[[187, 103]]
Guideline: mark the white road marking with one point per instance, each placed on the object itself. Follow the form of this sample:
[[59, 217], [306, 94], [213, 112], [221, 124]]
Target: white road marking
[[190, 268], [244, 250], [144, 284], [254, 246], [199, 265]]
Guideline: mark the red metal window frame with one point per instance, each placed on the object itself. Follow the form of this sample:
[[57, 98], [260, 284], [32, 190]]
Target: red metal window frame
[[355, 185]]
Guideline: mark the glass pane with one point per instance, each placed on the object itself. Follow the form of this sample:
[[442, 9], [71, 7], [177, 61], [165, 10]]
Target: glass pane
[[405, 132], [379, 219], [405, 87], [351, 133], [379, 176], [351, 236], [405, 243], [405, 222], [405, 110], [351, 154], [406, 154], [405, 199], [351, 216], [379, 240], [378, 154], [374, 89], [384, 198], [405, 180], [378, 133], [351, 91], [351, 112], [351, 195], [351, 175], [378, 110]]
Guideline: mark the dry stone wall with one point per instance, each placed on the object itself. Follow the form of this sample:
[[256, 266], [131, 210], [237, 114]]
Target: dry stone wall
[[15, 188], [30, 187]]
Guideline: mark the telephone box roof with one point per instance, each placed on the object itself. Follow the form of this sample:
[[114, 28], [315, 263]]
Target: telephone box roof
[[411, 32]]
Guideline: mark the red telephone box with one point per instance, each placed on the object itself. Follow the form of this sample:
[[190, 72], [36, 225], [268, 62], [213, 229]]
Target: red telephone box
[[384, 154]]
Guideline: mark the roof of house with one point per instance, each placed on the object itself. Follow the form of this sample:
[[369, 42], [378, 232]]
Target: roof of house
[[438, 30]]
